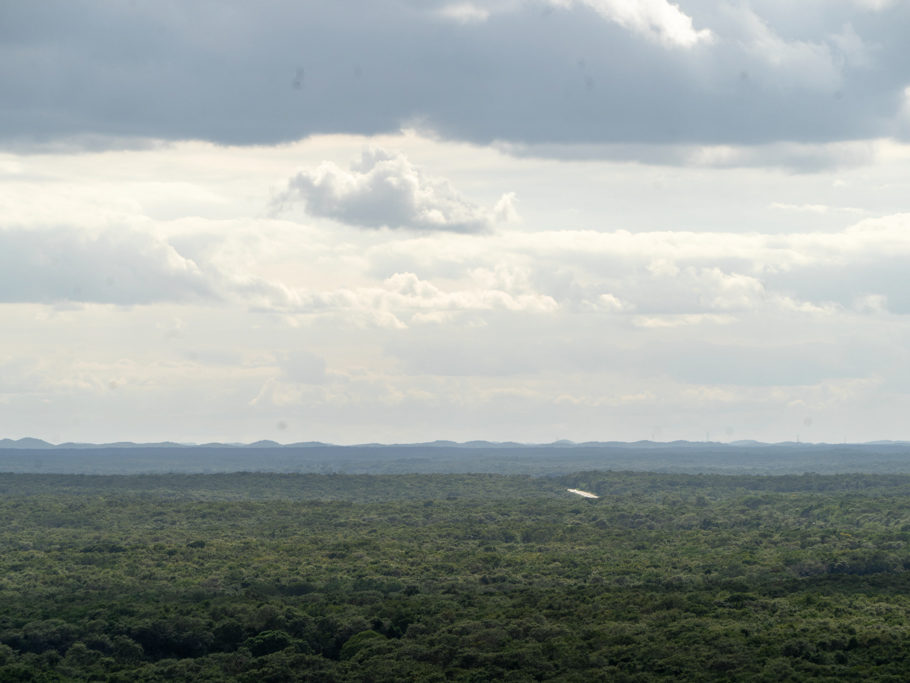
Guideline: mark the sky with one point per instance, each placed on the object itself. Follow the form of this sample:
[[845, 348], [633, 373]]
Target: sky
[[407, 220]]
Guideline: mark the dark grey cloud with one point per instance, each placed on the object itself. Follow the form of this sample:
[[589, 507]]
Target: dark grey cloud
[[526, 73]]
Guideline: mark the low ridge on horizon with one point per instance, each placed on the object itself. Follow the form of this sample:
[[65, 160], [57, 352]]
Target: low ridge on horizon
[[32, 443]]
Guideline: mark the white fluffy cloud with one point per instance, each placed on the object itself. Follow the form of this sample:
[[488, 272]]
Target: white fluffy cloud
[[642, 276], [404, 299], [659, 20], [384, 189]]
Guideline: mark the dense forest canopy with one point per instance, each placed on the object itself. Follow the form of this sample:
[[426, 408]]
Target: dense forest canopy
[[268, 577]]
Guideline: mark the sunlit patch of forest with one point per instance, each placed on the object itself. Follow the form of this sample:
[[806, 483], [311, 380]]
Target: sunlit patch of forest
[[271, 577]]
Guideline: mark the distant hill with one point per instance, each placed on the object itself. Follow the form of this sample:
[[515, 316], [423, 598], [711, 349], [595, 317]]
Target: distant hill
[[25, 443], [31, 443], [35, 455]]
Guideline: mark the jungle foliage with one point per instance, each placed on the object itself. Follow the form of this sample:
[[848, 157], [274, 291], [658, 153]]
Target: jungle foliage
[[268, 577]]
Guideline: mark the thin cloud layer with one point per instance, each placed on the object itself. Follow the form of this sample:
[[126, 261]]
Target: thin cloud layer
[[801, 157], [651, 279], [385, 190]]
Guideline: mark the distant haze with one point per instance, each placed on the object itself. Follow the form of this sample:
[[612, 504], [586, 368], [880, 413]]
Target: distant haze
[[35, 456]]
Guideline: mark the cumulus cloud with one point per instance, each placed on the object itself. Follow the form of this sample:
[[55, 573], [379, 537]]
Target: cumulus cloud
[[404, 298], [663, 278], [386, 190], [130, 266], [649, 280], [659, 20], [117, 266]]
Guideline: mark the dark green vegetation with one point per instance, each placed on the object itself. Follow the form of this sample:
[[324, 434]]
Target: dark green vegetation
[[265, 577]]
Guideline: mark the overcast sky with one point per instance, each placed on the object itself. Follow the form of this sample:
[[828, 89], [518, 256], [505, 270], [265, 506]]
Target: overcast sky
[[406, 220]]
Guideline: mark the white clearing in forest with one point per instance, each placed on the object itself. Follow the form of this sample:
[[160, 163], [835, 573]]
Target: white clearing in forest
[[585, 494]]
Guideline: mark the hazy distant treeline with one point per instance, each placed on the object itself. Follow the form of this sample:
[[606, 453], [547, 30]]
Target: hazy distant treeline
[[438, 459]]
